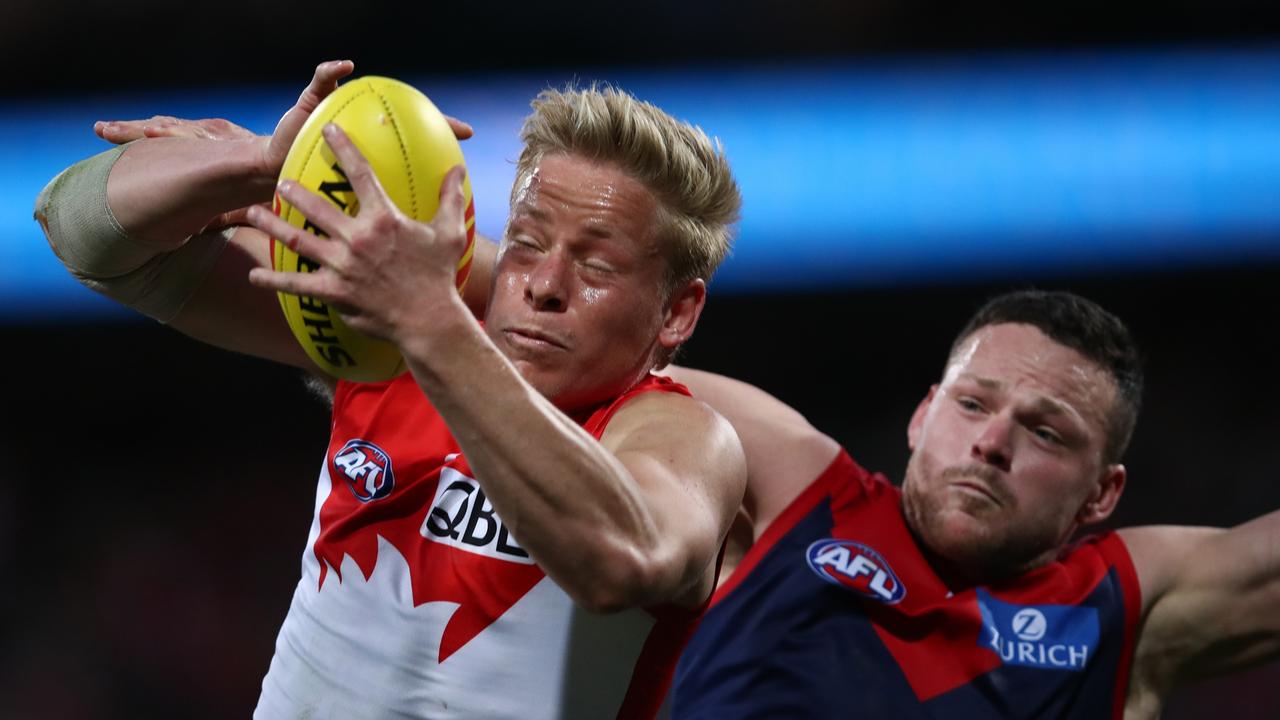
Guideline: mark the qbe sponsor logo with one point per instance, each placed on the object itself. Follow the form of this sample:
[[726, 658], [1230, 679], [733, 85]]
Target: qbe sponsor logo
[[461, 516], [1054, 637], [366, 468], [854, 566]]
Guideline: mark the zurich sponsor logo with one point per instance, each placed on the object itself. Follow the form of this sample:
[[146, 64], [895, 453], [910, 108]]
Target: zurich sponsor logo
[[1054, 637], [1029, 624], [855, 567], [366, 468]]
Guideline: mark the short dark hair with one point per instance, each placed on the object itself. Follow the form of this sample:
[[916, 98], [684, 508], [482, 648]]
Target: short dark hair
[[1087, 328]]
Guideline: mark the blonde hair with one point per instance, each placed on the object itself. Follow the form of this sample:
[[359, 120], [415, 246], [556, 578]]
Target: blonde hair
[[686, 170]]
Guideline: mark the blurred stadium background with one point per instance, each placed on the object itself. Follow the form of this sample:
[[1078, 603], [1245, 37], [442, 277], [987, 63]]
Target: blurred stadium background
[[900, 162]]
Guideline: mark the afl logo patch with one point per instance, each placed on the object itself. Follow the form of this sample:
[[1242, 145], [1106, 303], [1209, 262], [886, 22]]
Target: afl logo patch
[[855, 567], [367, 469]]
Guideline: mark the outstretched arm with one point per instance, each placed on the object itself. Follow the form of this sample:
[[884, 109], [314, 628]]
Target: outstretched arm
[[131, 223], [784, 451], [1211, 599], [256, 326]]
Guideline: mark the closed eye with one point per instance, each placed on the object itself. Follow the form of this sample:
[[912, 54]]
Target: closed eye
[[523, 244]]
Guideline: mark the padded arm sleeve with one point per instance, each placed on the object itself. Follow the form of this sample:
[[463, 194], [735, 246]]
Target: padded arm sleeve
[[87, 238]]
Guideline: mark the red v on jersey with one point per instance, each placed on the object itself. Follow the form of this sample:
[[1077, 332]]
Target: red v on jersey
[[396, 473], [416, 601], [927, 623], [437, 571]]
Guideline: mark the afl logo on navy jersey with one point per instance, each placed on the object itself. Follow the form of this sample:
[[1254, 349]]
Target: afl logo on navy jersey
[[855, 567], [367, 469]]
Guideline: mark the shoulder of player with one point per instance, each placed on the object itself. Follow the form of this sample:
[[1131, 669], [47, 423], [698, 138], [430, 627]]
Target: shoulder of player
[[667, 415], [783, 450], [680, 433], [730, 396], [759, 418]]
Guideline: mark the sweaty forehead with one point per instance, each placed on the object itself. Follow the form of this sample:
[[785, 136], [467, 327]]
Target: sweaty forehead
[[593, 194], [1020, 358]]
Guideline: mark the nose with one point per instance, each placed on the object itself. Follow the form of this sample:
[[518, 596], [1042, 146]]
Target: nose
[[993, 444], [547, 288]]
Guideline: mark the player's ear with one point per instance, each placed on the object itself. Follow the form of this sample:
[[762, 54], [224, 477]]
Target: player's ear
[[682, 313], [917, 418], [1102, 502]]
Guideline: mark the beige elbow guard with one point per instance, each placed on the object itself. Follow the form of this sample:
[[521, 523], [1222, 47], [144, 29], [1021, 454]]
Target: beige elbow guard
[[87, 238]]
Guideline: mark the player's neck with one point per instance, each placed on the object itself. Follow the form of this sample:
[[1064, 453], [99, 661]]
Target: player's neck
[[959, 575]]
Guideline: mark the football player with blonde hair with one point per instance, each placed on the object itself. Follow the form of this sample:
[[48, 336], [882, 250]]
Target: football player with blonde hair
[[526, 524]]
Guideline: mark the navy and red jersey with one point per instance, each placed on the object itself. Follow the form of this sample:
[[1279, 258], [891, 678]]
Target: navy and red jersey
[[835, 612]]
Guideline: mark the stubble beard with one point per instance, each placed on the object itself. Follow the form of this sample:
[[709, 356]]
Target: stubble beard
[[973, 541]]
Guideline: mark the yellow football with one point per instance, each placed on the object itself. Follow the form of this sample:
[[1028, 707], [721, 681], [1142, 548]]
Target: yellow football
[[410, 147]]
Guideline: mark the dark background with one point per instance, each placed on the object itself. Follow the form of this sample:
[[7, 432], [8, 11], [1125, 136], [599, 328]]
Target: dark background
[[155, 493], [57, 47]]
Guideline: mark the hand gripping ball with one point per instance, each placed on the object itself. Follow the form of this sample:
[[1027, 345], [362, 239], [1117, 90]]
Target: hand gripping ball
[[410, 147]]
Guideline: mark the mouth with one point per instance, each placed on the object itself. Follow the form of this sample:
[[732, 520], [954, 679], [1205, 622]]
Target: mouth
[[533, 339], [976, 489]]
